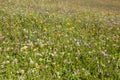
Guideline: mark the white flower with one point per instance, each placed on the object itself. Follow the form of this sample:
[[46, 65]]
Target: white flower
[[22, 71], [15, 61], [7, 57], [7, 62], [2, 66], [21, 78], [31, 61]]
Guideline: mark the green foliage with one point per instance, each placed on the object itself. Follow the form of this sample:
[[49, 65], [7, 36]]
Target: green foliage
[[56, 46]]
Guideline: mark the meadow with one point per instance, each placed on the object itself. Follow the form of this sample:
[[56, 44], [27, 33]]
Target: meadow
[[59, 40]]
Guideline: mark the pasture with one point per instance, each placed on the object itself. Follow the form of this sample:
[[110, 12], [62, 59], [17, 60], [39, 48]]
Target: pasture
[[59, 40]]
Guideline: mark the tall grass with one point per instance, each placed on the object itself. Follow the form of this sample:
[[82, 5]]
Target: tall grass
[[59, 40]]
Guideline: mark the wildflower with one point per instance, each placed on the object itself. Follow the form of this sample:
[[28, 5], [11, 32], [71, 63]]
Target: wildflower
[[58, 74], [115, 38], [70, 70], [40, 59], [83, 69], [16, 49], [7, 62], [35, 49], [106, 75], [33, 70], [45, 29], [2, 66], [31, 61], [71, 28], [30, 14], [21, 78], [22, 71], [26, 31], [7, 49], [68, 41], [38, 54], [58, 65], [18, 33], [24, 48], [15, 61], [59, 35], [36, 20], [68, 23], [7, 57], [37, 66], [103, 53]]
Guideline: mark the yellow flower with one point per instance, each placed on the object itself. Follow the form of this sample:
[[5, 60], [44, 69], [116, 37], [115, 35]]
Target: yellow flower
[[59, 35], [35, 49], [93, 34], [68, 23], [58, 65], [37, 66], [30, 14], [45, 29], [71, 28], [68, 41], [36, 21], [24, 48], [18, 33]]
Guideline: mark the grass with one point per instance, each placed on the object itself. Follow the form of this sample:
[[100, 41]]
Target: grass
[[59, 40]]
